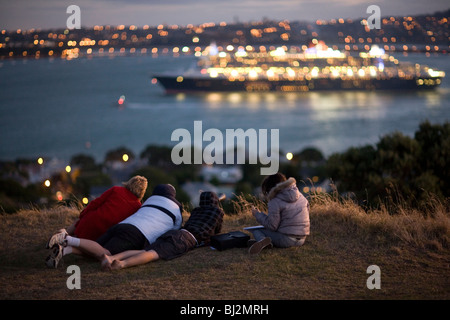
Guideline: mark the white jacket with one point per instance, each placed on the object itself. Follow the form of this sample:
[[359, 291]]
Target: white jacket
[[288, 210]]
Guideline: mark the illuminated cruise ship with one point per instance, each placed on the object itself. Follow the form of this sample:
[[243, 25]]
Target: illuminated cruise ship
[[318, 67]]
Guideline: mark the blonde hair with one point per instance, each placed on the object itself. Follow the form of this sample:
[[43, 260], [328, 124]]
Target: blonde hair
[[137, 185]]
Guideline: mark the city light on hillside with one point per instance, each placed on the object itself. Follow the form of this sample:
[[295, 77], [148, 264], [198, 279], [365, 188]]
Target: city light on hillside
[[40, 161], [47, 183], [289, 156], [125, 157]]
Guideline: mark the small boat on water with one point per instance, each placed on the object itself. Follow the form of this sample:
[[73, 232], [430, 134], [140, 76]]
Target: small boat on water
[[318, 67]]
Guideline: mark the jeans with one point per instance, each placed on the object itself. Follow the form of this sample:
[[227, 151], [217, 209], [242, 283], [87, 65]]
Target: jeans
[[279, 240]]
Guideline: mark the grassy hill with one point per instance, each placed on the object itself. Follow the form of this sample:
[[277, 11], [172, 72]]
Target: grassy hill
[[411, 248]]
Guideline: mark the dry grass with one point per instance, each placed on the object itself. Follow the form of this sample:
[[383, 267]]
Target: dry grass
[[393, 223], [411, 248]]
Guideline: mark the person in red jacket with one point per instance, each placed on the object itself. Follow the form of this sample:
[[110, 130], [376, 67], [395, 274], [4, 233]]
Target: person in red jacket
[[113, 206]]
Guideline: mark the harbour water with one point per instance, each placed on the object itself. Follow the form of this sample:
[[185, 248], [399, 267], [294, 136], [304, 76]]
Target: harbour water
[[59, 108]]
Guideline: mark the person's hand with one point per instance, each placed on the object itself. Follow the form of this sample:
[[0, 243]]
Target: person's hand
[[254, 211]]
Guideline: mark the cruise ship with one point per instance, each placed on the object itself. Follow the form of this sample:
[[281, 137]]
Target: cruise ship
[[318, 67]]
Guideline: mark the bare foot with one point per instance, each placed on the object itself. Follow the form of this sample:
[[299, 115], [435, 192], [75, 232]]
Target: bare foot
[[116, 265], [106, 262]]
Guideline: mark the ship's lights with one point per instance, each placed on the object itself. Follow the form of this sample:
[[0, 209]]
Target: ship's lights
[[241, 53], [213, 73], [373, 72], [376, 51], [291, 72], [434, 73], [279, 52], [323, 52], [253, 74], [213, 50]]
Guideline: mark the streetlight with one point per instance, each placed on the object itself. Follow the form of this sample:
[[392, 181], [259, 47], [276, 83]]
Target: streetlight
[[289, 156]]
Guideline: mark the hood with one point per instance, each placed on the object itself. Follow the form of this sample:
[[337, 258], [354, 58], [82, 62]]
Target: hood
[[209, 199], [286, 191]]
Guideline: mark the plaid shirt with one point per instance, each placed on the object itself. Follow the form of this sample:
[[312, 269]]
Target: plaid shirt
[[205, 220]]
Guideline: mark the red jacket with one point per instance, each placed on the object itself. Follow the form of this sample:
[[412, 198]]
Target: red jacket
[[113, 206]]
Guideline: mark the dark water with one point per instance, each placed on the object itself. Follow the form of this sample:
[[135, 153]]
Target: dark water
[[58, 108]]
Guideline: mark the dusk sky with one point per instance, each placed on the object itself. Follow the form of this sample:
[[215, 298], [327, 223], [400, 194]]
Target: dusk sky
[[45, 14]]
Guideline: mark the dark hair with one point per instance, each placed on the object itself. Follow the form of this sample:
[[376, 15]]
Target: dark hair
[[271, 181], [166, 190]]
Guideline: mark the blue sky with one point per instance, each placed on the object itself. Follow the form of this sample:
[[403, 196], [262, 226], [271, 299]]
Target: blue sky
[[26, 14]]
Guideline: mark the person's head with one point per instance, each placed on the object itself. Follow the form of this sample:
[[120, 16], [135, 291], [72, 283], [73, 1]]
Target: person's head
[[208, 199], [166, 190], [137, 186], [271, 181]]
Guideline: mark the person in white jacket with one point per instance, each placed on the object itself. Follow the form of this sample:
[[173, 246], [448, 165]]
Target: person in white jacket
[[160, 213], [286, 223]]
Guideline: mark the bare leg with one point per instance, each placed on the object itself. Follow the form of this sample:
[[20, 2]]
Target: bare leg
[[93, 249], [74, 250], [131, 258]]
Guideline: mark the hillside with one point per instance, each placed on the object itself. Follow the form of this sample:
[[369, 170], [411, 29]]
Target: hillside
[[412, 252]]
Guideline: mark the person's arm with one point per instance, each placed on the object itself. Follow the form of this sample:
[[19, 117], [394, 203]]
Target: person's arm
[[271, 220]]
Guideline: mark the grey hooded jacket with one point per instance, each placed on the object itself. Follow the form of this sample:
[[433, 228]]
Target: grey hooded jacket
[[288, 210]]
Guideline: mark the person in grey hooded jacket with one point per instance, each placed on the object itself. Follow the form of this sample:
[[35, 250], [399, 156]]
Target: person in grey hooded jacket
[[287, 222]]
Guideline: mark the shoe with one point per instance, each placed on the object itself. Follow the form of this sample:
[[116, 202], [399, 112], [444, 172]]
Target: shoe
[[57, 238], [53, 260], [259, 245]]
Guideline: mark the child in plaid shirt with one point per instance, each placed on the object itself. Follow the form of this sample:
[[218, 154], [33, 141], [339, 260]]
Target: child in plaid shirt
[[204, 221]]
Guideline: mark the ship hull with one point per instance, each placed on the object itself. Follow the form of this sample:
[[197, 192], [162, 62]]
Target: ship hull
[[173, 84]]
